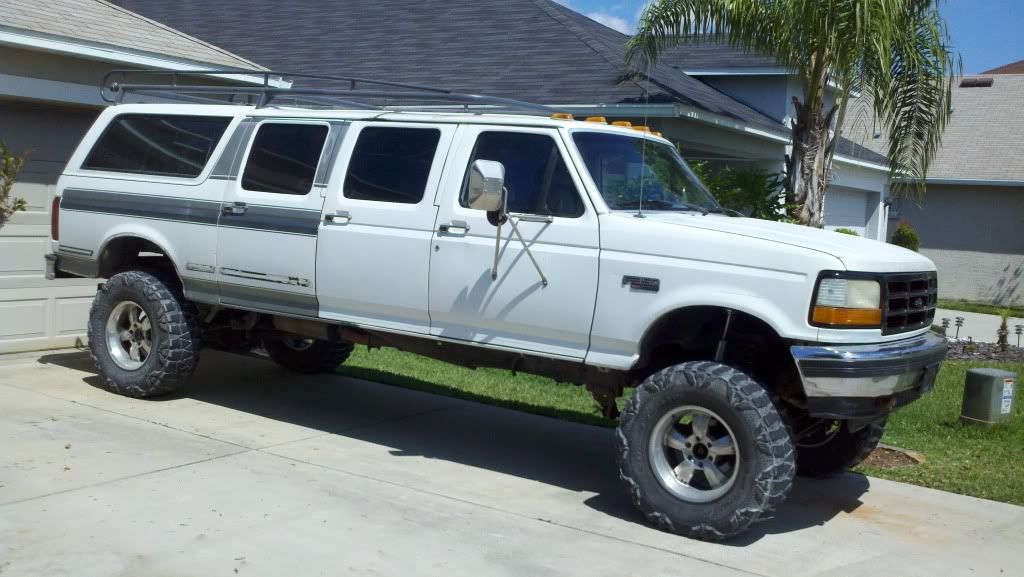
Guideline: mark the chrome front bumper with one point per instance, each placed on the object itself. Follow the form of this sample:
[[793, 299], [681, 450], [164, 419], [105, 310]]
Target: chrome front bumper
[[859, 381]]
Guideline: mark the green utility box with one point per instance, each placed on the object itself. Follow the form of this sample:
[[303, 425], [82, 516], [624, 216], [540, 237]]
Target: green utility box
[[988, 397]]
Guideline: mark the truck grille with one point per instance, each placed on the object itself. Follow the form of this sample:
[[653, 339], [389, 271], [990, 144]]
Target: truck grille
[[910, 301]]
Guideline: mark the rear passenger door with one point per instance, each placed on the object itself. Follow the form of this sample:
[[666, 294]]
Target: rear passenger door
[[267, 232], [374, 251]]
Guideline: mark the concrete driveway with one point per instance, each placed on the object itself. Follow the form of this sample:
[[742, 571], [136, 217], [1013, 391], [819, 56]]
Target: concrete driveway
[[253, 471]]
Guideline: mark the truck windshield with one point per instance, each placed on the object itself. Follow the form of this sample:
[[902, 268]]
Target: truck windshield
[[634, 173]]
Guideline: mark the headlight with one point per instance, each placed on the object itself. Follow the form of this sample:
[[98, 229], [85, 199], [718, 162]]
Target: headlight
[[847, 302]]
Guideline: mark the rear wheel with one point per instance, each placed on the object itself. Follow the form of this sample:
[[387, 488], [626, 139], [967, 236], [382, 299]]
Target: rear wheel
[[308, 355], [826, 447], [703, 450], [143, 335]]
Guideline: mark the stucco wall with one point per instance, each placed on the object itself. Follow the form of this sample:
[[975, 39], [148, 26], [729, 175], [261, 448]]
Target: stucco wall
[[975, 236]]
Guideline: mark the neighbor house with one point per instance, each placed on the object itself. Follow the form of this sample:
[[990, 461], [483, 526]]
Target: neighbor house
[[53, 56], [970, 217], [718, 104]]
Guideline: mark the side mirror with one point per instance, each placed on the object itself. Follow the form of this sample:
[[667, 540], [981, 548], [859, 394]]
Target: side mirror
[[486, 186]]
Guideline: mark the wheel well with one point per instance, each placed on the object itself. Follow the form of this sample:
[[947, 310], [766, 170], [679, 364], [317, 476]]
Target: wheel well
[[133, 253], [693, 333]]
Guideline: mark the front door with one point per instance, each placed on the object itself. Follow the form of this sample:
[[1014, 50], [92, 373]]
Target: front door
[[266, 236], [374, 249], [516, 309]]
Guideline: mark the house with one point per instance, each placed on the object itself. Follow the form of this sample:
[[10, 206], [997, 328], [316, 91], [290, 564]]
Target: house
[[53, 56], [718, 104], [971, 216]]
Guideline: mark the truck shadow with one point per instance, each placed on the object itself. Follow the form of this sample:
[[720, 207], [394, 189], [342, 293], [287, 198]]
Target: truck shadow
[[555, 452]]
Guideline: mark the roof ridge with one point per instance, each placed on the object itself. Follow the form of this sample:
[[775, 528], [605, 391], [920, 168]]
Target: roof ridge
[[179, 33], [590, 41], [546, 6]]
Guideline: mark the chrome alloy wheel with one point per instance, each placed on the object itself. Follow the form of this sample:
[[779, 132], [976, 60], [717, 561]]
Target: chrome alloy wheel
[[694, 454], [129, 335]]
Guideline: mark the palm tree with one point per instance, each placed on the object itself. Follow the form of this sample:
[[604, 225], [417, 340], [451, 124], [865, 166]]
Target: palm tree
[[894, 52]]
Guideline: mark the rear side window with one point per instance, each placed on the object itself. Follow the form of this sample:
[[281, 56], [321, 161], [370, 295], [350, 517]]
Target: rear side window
[[391, 164], [157, 144], [284, 157], [537, 180]]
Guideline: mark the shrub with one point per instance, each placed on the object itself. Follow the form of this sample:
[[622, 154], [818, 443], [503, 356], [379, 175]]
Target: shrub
[[1003, 332], [845, 230], [10, 166], [906, 236], [750, 191]]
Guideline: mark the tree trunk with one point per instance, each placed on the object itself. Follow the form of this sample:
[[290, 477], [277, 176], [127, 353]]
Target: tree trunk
[[809, 166]]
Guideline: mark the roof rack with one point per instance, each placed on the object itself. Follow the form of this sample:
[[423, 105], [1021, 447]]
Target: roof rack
[[277, 88]]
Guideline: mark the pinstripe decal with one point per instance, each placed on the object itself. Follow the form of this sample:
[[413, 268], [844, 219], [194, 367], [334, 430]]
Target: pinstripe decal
[[257, 217]]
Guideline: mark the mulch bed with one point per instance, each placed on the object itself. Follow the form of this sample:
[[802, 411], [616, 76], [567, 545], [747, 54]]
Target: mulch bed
[[965, 351], [887, 457]]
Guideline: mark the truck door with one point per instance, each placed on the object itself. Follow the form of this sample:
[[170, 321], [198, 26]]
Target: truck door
[[516, 309], [267, 232], [374, 248]]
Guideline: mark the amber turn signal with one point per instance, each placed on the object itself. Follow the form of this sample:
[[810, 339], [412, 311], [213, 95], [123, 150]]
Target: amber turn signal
[[843, 317]]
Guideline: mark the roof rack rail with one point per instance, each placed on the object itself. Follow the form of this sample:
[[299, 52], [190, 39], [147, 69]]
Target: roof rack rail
[[279, 87]]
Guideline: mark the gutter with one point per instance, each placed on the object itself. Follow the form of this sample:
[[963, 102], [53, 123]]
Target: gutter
[[677, 110], [975, 182], [18, 38]]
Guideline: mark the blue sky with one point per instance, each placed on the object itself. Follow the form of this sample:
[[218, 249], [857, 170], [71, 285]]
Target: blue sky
[[988, 33]]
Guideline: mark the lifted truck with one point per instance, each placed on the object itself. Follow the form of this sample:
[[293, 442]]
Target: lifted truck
[[586, 252]]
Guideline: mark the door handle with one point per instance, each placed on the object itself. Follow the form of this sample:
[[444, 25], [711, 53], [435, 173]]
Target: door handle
[[339, 217], [454, 227], [237, 208]]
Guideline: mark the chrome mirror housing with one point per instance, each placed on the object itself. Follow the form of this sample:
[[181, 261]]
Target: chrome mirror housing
[[486, 186]]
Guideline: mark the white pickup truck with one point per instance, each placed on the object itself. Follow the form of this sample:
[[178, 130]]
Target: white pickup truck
[[579, 250]]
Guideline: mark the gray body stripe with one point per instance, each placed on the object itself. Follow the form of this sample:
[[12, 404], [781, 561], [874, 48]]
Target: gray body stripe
[[277, 219], [257, 217], [251, 298], [146, 206]]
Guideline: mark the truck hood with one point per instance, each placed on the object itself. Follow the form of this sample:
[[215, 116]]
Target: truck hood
[[856, 253]]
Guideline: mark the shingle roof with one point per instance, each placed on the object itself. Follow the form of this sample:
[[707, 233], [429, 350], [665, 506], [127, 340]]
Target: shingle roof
[[534, 50], [707, 55], [982, 140], [1011, 68], [100, 22]]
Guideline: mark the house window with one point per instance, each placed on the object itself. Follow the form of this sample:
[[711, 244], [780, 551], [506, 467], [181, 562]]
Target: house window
[[536, 177], [391, 164], [157, 144], [284, 157]]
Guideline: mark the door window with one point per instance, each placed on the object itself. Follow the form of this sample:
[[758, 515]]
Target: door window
[[391, 164], [536, 177], [284, 157]]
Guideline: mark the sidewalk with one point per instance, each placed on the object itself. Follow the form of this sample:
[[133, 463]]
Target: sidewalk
[[977, 326]]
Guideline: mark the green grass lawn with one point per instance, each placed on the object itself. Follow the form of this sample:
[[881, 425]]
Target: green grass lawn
[[981, 463], [979, 308]]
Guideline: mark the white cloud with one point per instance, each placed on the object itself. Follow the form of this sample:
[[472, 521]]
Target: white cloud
[[613, 22]]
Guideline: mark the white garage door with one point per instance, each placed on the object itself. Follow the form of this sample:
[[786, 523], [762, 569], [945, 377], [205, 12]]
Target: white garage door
[[846, 208]]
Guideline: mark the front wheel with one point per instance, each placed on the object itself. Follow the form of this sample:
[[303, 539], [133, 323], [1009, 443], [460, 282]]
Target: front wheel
[[143, 335], [308, 356], [703, 450]]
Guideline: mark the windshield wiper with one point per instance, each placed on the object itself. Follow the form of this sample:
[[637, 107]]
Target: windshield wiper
[[660, 205], [728, 211]]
